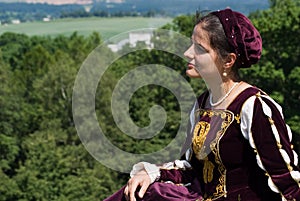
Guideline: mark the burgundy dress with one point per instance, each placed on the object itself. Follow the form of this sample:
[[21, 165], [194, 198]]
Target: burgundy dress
[[241, 153]]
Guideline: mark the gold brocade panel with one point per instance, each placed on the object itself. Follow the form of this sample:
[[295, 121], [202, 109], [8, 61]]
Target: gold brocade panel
[[211, 126]]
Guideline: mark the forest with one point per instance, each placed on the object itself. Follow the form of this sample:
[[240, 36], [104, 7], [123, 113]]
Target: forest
[[42, 156]]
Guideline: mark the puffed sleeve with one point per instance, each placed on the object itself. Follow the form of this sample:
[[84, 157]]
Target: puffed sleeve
[[178, 172], [262, 123]]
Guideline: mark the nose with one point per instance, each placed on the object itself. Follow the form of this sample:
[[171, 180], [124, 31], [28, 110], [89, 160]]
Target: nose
[[189, 53]]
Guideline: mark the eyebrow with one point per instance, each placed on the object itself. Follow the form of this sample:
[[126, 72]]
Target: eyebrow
[[195, 43]]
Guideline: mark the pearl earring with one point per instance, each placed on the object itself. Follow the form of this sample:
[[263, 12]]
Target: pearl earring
[[224, 73]]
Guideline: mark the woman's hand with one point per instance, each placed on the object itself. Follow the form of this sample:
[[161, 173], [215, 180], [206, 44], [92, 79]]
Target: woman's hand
[[142, 180]]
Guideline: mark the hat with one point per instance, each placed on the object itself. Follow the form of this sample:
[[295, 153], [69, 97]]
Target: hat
[[242, 36]]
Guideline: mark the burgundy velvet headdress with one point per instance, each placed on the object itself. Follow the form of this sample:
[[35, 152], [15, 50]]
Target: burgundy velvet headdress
[[242, 36]]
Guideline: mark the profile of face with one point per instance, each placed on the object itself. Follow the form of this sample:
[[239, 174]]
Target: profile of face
[[202, 59]]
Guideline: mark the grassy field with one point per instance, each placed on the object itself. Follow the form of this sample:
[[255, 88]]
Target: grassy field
[[107, 27]]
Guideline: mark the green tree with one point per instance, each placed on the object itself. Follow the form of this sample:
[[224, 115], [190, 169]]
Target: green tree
[[9, 149], [183, 24], [279, 28], [13, 47], [53, 171]]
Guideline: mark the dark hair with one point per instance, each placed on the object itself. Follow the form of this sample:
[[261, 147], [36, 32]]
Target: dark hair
[[217, 38]]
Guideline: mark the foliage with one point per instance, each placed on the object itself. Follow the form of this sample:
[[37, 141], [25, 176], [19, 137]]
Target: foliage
[[41, 155], [279, 28], [42, 158], [182, 24]]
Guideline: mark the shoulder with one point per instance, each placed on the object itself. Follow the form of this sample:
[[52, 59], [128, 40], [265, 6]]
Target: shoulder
[[250, 95], [257, 97], [241, 95], [259, 108]]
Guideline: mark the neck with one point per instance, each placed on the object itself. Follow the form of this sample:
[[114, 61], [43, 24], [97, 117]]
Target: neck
[[220, 91]]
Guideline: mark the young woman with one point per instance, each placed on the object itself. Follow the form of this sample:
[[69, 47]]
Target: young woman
[[238, 147]]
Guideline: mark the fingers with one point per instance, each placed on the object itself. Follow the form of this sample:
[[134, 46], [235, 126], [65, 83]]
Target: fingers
[[126, 193], [133, 187], [140, 180], [143, 189], [130, 190]]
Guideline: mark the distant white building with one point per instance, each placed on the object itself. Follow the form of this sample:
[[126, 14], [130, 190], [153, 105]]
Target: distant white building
[[16, 21], [46, 19], [114, 1], [118, 46], [133, 39]]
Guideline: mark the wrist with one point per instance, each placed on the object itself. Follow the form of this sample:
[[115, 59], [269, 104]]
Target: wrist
[[152, 170]]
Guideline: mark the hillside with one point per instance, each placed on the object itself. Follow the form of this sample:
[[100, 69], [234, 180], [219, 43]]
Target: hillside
[[166, 7], [177, 7], [85, 26]]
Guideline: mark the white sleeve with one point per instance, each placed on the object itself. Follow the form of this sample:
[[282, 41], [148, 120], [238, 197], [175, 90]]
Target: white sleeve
[[151, 169], [262, 137]]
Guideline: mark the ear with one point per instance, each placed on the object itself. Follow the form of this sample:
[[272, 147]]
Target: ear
[[230, 60]]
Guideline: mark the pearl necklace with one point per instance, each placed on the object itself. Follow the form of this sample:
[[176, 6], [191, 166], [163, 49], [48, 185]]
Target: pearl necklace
[[224, 97]]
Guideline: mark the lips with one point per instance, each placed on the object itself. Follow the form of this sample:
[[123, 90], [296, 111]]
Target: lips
[[190, 66]]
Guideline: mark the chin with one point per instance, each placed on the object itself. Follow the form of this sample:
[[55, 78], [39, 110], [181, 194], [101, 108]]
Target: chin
[[192, 75]]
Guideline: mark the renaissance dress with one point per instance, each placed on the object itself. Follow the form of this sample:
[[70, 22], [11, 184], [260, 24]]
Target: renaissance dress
[[241, 153]]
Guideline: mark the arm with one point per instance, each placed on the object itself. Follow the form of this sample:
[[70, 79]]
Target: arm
[[143, 174], [178, 172], [263, 125]]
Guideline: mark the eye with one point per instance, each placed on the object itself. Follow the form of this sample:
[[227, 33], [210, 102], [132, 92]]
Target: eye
[[200, 49]]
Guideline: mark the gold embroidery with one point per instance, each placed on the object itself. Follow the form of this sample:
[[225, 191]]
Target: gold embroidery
[[224, 125], [220, 189], [279, 145], [200, 132], [271, 121], [238, 118], [223, 115], [208, 171]]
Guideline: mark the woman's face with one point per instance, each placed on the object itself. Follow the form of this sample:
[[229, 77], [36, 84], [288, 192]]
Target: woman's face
[[202, 58]]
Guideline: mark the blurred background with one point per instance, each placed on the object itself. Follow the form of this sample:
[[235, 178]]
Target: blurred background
[[43, 44]]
